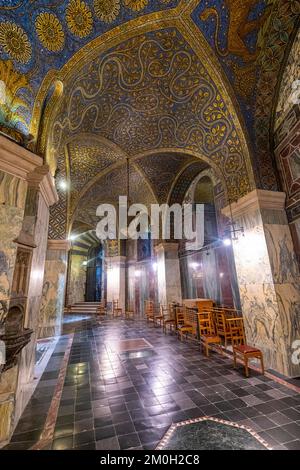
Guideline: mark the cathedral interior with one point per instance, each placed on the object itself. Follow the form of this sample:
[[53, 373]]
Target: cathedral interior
[[149, 343]]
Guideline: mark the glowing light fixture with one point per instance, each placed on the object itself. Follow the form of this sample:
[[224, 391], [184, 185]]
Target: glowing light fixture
[[226, 242], [63, 185], [154, 266], [194, 265]]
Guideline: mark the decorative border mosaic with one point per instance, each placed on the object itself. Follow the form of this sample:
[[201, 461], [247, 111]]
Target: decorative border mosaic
[[172, 429]]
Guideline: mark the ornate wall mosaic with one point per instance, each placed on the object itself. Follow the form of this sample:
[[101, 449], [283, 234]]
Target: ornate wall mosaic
[[40, 35]]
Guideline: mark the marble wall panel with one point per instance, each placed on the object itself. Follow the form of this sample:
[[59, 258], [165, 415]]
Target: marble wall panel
[[53, 294], [27, 358], [77, 279], [268, 278]]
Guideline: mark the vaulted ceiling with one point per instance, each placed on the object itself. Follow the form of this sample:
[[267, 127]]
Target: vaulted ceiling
[[88, 83]]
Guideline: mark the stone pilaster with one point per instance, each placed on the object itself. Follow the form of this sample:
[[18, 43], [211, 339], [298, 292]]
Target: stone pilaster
[[268, 277], [54, 287], [115, 279], [168, 273], [26, 191]]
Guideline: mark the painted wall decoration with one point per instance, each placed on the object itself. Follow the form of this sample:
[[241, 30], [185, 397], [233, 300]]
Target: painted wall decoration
[[231, 27], [277, 37], [289, 92]]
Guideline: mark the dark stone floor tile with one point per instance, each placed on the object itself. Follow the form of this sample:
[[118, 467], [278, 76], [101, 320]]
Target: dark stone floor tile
[[63, 443], [293, 445], [104, 433], [129, 441], [63, 430], [27, 436], [84, 438], [280, 435], [124, 428], [84, 425]]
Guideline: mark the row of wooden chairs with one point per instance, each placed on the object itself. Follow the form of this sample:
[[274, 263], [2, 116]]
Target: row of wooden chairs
[[117, 311], [211, 326]]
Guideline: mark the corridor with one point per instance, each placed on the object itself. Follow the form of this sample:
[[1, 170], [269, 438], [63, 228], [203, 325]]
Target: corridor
[[116, 384]]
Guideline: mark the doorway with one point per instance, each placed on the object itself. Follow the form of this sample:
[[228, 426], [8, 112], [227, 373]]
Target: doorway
[[94, 274]]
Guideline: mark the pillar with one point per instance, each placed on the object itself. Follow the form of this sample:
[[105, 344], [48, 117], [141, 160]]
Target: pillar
[[54, 287], [268, 278], [115, 279], [168, 273], [26, 191]]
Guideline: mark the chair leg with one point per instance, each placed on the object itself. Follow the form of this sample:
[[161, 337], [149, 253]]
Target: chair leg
[[262, 364], [234, 359], [246, 366], [207, 350]]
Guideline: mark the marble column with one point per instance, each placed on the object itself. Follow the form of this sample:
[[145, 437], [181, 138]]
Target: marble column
[[26, 191], [168, 273], [54, 287], [115, 279], [268, 278], [41, 194]]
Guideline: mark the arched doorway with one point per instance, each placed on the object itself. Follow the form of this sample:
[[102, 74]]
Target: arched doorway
[[94, 275]]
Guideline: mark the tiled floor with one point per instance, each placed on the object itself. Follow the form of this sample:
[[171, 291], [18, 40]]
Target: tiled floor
[[113, 398]]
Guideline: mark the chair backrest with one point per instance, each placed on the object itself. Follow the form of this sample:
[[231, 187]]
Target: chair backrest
[[205, 324], [190, 319], [204, 305], [220, 320], [179, 312], [115, 304], [149, 306], [237, 331]]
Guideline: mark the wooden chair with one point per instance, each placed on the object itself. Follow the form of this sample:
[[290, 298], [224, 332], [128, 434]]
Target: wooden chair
[[204, 305], [129, 314], [207, 333], [117, 311], [189, 326], [239, 347], [158, 316], [169, 320], [179, 316], [222, 327], [149, 310]]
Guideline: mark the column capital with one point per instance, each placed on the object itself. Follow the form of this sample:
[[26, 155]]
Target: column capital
[[42, 180], [165, 246], [16, 160], [115, 259], [59, 245], [256, 199]]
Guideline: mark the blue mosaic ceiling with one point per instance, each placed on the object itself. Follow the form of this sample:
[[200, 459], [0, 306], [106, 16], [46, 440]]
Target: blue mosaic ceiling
[[39, 36], [248, 38]]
